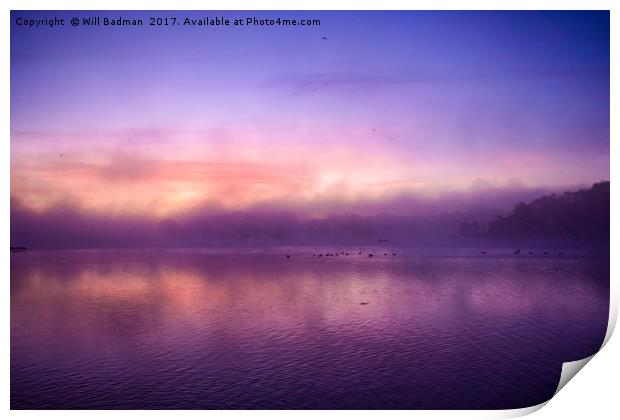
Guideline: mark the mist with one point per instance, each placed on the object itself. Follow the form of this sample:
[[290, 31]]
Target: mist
[[403, 220]]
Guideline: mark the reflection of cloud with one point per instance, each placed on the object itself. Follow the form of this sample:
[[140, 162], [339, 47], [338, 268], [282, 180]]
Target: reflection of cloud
[[187, 293]]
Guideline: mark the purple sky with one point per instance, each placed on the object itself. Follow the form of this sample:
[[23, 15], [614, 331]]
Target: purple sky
[[393, 107]]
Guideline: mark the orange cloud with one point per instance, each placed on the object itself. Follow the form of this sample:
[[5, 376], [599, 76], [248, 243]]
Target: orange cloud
[[159, 173]]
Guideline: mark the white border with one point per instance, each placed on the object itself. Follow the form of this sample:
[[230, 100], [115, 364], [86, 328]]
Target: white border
[[593, 394]]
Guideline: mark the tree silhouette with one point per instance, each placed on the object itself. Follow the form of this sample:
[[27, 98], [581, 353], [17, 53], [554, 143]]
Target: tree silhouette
[[582, 215]]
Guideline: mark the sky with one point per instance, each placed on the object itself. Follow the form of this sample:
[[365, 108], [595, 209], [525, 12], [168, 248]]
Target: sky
[[392, 108]]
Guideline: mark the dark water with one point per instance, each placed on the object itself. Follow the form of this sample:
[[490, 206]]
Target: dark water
[[253, 329]]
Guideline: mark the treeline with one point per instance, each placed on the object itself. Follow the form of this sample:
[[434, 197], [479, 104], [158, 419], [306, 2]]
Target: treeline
[[579, 215], [575, 216]]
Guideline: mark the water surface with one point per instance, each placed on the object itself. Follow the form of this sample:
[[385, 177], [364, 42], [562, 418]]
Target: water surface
[[253, 329]]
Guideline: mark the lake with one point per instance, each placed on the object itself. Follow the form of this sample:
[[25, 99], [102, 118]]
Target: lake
[[253, 329]]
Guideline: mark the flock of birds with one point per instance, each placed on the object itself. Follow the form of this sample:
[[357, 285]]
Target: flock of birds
[[346, 254], [393, 254], [518, 252]]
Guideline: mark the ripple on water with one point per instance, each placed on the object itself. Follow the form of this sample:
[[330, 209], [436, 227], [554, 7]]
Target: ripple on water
[[194, 329]]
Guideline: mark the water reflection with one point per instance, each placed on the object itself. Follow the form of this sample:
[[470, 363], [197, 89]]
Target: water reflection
[[194, 329]]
